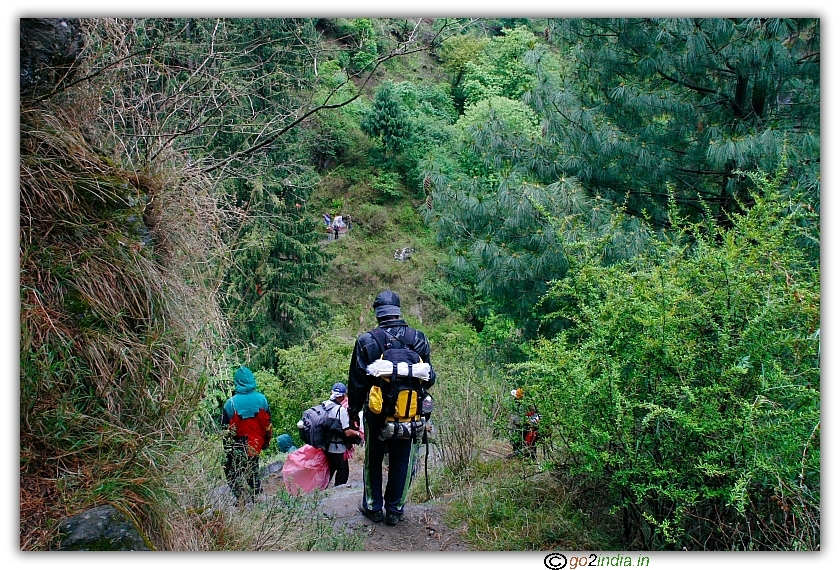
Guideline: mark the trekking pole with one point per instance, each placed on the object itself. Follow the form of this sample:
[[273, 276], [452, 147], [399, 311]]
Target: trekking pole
[[426, 463]]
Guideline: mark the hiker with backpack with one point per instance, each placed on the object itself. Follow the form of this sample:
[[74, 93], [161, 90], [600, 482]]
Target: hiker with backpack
[[247, 417], [337, 443], [390, 372], [325, 429]]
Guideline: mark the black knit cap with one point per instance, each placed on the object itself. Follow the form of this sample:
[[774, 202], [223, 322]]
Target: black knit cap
[[387, 303]]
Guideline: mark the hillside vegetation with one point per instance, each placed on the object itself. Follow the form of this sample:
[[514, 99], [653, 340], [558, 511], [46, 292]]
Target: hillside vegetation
[[619, 216]]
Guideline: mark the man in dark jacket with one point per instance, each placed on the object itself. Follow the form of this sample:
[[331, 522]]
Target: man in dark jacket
[[400, 456], [248, 420]]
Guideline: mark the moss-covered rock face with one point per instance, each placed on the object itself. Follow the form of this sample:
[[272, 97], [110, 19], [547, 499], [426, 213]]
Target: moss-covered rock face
[[101, 528], [48, 49]]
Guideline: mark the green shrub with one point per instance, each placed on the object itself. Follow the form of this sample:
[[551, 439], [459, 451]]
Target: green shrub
[[388, 186], [305, 373], [408, 220], [689, 382], [374, 219]]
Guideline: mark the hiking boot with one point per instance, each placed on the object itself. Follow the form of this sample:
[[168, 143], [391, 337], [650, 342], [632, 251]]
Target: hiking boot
[[375, 516], [392, 518]]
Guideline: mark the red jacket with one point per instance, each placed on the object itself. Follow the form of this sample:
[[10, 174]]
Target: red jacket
[[256, 431]]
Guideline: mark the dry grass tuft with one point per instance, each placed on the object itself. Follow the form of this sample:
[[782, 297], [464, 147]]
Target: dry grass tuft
[[119, 318]]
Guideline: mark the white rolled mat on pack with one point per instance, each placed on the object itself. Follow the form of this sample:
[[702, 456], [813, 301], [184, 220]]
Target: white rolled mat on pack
[[385, 368]]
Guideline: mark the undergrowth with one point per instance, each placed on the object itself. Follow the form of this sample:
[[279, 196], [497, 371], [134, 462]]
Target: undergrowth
[[514, 505], [201, 515]]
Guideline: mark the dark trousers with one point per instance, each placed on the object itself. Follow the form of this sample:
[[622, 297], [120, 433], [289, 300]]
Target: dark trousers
[[400, 459], [241, 470], [338, 466]]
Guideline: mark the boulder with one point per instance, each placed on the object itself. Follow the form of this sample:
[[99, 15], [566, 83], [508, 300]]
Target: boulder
[[404, 253], [101, 528]]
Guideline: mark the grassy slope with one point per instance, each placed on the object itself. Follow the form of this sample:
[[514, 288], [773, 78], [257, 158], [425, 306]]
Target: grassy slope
[[364, 261], [364, 264]]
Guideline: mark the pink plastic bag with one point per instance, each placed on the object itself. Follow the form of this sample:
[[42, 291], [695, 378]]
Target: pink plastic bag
[[306, 470]]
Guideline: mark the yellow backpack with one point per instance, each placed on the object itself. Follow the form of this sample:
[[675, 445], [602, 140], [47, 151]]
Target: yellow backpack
[[397, 397]]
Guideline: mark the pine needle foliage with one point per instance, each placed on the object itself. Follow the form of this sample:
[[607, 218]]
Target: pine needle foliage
[[661, 106], [387, 121], [274, 268], [492, 207], [640, 113]]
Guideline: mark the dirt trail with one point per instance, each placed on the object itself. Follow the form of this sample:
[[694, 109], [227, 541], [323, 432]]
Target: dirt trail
[[422, 527]]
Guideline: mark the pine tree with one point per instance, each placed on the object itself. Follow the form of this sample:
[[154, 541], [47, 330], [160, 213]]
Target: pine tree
[[276, 261], [642, 115], [272, 276], [386, 120], [683, 106], [493, 215]]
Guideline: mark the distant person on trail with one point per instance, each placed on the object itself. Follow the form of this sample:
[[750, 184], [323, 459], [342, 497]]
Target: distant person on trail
[[378, 441], [349, 222], [248, 420], [327, 220], [524, 426], [335, 450], [336, 225]]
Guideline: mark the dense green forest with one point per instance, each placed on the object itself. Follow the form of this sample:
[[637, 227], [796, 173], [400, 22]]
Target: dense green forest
[[620, 216]]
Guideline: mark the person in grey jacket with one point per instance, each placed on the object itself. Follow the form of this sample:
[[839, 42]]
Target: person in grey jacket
[[337, 445]]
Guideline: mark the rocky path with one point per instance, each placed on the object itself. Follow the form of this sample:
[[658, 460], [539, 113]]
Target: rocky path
[[421, 529]]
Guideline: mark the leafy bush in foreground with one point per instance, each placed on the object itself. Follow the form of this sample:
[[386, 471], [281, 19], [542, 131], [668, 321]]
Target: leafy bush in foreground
[[689, 382]]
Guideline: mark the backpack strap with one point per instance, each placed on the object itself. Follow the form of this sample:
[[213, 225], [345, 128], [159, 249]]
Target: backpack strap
[[381, 339], [233, 405], [410, 337], [379, 335], [332, 436]]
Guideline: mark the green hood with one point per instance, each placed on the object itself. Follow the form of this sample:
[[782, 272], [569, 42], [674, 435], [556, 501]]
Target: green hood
[[246, 401], [245, 381]]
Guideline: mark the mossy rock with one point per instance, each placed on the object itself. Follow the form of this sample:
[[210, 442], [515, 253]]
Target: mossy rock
[[101, 528]]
